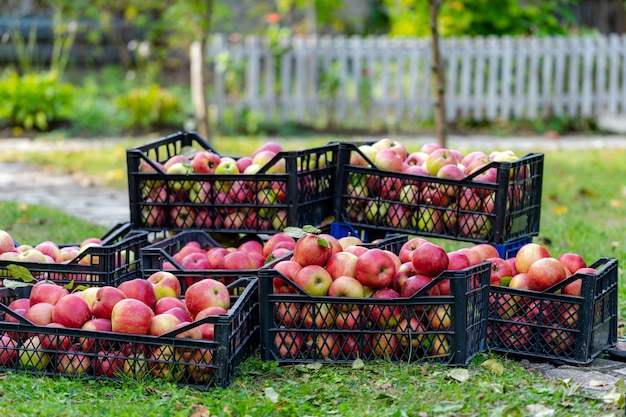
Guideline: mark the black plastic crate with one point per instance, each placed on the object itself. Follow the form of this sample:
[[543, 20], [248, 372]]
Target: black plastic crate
[[497, 212], [115, 259], [553, 326], [108, 355], [265, 202], [154, 257], [450, 330]]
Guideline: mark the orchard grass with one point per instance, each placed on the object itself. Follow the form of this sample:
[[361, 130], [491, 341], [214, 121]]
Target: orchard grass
[[501, 388], [583, 211]]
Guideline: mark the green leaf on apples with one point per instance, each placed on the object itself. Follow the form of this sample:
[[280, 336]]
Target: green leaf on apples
[[70, 287], [21, 273], [311, 229], [504, 281], [323, 243], [13, 285], [294, 232], [188, 151]]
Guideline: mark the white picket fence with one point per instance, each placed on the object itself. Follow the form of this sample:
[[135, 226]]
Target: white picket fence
[[353, 81]]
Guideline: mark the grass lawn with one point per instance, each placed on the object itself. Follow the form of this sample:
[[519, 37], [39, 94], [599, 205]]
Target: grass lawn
[[583, 210]]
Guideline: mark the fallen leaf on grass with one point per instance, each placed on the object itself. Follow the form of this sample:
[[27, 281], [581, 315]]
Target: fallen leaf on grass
[[358, 363], [560, 210], [595, 383], [271, 395], [493, 366], [200, 410], [616, 203], [459, 374], [540, 410]]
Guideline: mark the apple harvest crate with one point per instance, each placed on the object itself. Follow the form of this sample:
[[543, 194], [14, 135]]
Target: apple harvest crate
[[108, 355], [154, 257], [553, 326], [264, 202], [450, 330], [116, 259], [505, 210]]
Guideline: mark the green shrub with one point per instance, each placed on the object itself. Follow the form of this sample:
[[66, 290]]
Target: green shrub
[[150, 107], [34, 100]]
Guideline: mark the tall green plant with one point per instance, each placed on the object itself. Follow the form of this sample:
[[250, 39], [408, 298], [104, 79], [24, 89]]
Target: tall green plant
[[34, 100]]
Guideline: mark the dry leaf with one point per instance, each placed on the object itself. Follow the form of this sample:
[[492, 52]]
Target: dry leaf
[[540, 410], [459, 374], [560, 210], [200, 410], [616, 203], [594, 383], [271, 395], [493, 366]]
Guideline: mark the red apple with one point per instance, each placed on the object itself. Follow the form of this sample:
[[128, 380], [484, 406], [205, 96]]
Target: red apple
[[289, 269], [346, 286], [131, 316], [88, 344], [43, 292], [499, 270], [312, 250], [71, 311], [40, 314], [544, 273], [165, 284], [572, 261], [387, 316], [239, 260], [55, 341], [474, 257], [216, 257], [206, 293], [165, 303], [415, 283], [181, 312], [163, 323], [205, 162], [276, 239], [314, 279], [429, 259], [375, 269], [106, 298], [342, 264], [458, 261], [139, 289], [528, 254], [288, 344], [196, 261], [486, 251], [8, 349]]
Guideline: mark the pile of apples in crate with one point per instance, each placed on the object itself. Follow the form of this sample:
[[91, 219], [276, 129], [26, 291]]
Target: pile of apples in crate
[[43, 252], [151, 306], [224, 193], [321, 265], [535, 269], [439, 202]]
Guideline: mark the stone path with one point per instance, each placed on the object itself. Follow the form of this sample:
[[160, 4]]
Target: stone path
[[82, 198]]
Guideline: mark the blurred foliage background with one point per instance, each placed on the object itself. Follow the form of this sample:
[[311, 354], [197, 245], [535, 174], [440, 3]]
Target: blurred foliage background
[[110, 68]]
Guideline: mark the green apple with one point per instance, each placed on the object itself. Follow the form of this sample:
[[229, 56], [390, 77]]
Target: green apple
[[180, 168], [227, 166], [32, 356]]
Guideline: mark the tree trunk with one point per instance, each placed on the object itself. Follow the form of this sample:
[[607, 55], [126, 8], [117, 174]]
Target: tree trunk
[[197, 66], [438, 75]]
